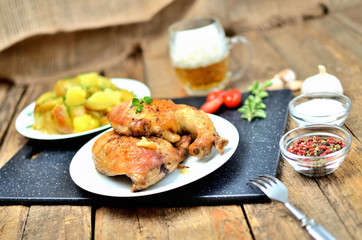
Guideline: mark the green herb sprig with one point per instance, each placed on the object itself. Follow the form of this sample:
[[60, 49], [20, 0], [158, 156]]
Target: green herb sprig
[[139, 103], [254, 106]]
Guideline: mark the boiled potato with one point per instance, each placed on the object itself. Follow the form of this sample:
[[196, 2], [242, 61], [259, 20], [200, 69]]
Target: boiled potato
[[77, 111], [88, 79], [126, 95], [47, 104], [62, 86], [45, 96], [61, 119], [75, 96], [103, 100], [38, 121], [45, 123], [84, 123], [100, 115], [104, 83]]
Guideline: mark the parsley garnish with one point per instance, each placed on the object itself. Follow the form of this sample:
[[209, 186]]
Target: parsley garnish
[[139, 103], [254, 106]]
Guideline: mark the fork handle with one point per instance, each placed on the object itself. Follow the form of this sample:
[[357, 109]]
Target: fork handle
[[316, 231], [319, 233]]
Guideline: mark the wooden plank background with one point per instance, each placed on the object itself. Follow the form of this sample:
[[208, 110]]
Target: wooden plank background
[[139, 51]]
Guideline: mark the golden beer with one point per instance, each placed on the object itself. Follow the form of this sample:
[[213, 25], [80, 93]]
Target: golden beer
[[205, 77]]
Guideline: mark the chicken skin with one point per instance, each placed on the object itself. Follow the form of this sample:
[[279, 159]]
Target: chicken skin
[[167, 120], [145, 160]]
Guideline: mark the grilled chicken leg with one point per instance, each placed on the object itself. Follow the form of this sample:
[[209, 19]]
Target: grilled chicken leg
[[167, 120], [145, 161]]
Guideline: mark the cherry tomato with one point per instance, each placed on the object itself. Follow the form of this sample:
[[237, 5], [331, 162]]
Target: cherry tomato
[[212, 105], [215, 94], [232, 98]]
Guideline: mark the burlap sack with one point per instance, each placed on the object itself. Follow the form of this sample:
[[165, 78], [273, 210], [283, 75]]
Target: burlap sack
[[41, 40], [20, 19]]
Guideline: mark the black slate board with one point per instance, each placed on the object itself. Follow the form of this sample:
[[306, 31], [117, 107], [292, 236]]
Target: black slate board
[[45, 179]]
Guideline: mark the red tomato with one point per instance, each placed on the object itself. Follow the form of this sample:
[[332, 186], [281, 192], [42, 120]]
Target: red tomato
[[232, 98], [212, 105], [215, 94]]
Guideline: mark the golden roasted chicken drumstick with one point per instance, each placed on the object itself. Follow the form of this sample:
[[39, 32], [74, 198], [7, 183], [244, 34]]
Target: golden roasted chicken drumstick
[[167, 120]]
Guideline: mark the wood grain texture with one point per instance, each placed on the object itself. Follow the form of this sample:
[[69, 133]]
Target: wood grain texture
[[116, 223], [224, 222], [140, 51], [9, 96], [12, 222], [13, 141], [58, 222]]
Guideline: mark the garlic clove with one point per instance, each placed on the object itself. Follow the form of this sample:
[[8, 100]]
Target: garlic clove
[[277, 84], [287, 75], [294, 85], [322, 82]]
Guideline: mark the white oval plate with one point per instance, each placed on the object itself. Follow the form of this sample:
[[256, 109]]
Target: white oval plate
[[25, 119], [84, 174]]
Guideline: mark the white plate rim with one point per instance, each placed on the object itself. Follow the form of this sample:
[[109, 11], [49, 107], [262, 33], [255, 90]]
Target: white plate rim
[[84, 174], [25, 119]]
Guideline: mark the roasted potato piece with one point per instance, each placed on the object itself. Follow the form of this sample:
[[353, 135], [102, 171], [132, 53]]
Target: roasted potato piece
[[84, 123], [100, 115], [104, 100], [126, 95], [45, 96], [75, 96], [45, 123], [88, 79], [38, 121], [77, 111], [104, 83], [61, 119], [47, 102], [62, 86]]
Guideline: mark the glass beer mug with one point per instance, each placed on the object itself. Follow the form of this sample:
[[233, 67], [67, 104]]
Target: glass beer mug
[[200, 55]]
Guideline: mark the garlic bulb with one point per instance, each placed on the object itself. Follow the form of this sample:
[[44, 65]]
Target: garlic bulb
[[322, 82]]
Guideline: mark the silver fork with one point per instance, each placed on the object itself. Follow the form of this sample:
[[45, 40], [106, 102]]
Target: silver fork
[[276, 190]]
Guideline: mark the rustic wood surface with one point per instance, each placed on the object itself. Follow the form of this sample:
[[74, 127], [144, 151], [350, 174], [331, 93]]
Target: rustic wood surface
[[333, 39]]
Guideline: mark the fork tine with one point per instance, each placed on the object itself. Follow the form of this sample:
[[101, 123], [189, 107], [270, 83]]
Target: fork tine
[[265, 181], [257, 184], [274, 179], [269, 179]]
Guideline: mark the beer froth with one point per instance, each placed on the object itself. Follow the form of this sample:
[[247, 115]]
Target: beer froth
[[198, 48]]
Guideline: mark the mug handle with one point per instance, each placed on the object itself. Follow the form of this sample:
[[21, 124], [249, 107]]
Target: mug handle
[[240, 40]]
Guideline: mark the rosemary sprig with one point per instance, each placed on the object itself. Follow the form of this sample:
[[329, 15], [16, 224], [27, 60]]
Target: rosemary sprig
[[254, 106], [139, 103]]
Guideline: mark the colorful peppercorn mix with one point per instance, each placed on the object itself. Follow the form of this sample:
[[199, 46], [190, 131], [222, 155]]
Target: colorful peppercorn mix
[[316, 146]]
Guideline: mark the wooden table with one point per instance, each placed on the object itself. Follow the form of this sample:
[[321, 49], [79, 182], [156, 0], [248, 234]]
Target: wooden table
[[334, 201]]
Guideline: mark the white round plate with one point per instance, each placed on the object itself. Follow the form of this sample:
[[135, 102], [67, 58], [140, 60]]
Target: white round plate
[[25, 119], [84, 174]]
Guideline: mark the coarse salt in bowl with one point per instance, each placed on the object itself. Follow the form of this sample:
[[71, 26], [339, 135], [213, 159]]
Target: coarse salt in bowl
[[316, 164], [320, 108]]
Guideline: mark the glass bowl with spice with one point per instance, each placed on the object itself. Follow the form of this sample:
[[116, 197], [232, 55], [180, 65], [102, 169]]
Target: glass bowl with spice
[[320, 108], [315, 150]]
